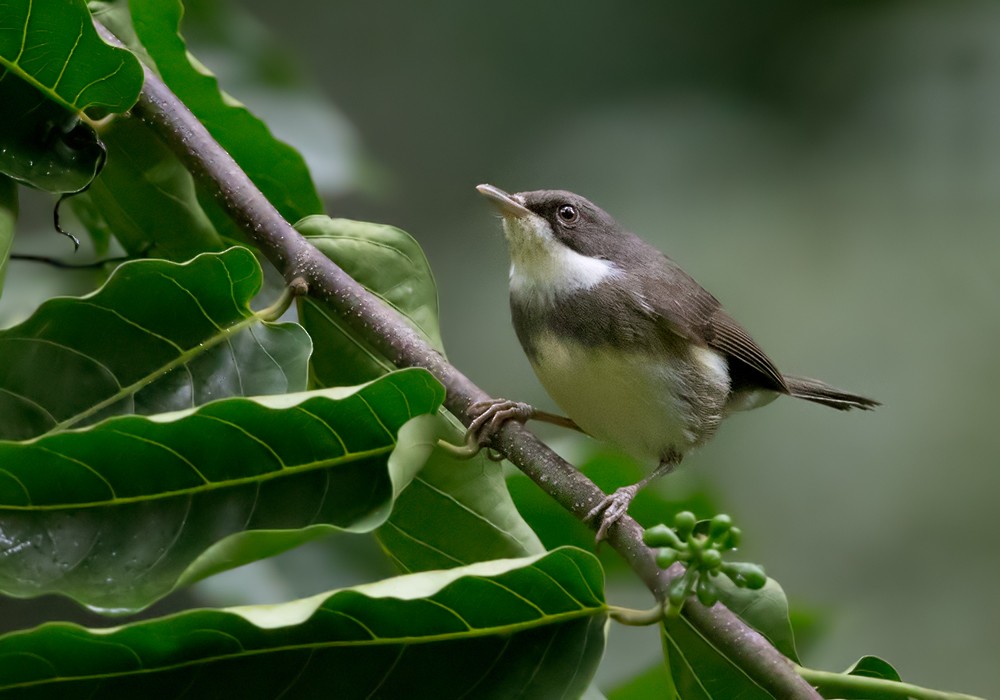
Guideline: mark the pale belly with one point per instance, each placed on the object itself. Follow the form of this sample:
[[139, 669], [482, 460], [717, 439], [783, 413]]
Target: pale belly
[[647, 408]]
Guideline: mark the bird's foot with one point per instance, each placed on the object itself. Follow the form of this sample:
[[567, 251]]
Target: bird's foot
[[612, 508], [490, 417]]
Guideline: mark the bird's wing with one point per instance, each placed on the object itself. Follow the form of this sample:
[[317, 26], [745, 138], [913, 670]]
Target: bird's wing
[[725, 334], [687, 309]]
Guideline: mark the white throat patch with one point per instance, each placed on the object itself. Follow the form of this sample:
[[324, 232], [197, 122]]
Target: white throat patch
[[542, 267]]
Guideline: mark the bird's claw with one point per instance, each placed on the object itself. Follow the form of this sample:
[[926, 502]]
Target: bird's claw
[[492, 415], [611, 509]]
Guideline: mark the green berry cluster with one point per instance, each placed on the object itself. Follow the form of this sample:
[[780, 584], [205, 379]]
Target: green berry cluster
[[700, 548]]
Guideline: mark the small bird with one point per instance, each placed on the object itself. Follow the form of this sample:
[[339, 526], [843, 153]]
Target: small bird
[[630, 346]]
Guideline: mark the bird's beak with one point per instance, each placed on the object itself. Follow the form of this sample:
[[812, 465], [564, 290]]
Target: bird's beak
[[507, 204]]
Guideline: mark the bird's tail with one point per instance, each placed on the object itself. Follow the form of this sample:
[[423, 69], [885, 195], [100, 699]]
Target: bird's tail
[[818, 392]]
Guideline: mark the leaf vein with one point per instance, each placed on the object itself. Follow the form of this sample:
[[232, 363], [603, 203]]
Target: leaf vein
[[31, 403], [423, 543], [78, 462], [172, 452], [388, 671], [377, 417], [72, 51], [298, 676], [479, 516]]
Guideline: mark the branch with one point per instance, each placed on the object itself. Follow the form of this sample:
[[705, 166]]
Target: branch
[[384, 330]]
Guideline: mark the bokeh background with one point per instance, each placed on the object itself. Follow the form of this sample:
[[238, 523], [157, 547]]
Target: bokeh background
[[830, 170]]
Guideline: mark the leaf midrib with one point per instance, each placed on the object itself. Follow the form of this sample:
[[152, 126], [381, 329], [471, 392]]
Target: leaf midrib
[[183, 358], [527, 625], [284, 471]]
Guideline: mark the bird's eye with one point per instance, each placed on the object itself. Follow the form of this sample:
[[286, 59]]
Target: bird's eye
[[567, 214]]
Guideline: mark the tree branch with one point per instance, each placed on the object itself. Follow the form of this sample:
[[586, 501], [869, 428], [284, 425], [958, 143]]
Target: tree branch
[[384, 329]]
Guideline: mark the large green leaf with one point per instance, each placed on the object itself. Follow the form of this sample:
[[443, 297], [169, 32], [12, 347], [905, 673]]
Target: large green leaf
[[475, 518], [115, 515], [277, 169], [145, 198], [701, 671], [54, 46], [526, 628], [8, 217], [53, 68], [157, 337], [391, 265]]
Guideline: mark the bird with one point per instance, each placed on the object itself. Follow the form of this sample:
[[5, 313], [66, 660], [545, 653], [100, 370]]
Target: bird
[[627, 344]]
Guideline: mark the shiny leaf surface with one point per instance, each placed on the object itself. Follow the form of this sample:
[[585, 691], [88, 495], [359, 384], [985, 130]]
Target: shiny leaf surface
[[8, 217], [54, 46], [117, 514], [702, 672], [475, 518], [145, 198], [529, 628], [54, 68], [391, 265], [157, 337], [43, 144]]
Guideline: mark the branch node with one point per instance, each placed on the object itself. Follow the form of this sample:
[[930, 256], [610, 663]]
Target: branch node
[[298, 286]]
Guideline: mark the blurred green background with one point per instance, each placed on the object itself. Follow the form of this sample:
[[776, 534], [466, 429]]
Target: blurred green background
[[829, 170]]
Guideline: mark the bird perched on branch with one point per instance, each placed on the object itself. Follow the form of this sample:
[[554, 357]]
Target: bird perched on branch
[[630, 346]]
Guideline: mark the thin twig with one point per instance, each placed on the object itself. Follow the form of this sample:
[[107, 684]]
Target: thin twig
[[217, 174], [62, 264]]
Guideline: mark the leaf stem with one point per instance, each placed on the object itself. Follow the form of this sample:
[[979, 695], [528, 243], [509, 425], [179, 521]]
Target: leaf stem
[[276, 310], [465, 451], [637, 618], [833, 684]]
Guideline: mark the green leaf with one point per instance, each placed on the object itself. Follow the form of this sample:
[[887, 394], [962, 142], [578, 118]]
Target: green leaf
[[391, 265], [145, 198], [871, 678], [54, 46], [157, 337], [873, 667], [655, 682], [8, 218], [766, 610], [475, 518], [43, 144], [275, 167], [530, 628], [118, 514], [53, 69], [866, 667], [700, 670]]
